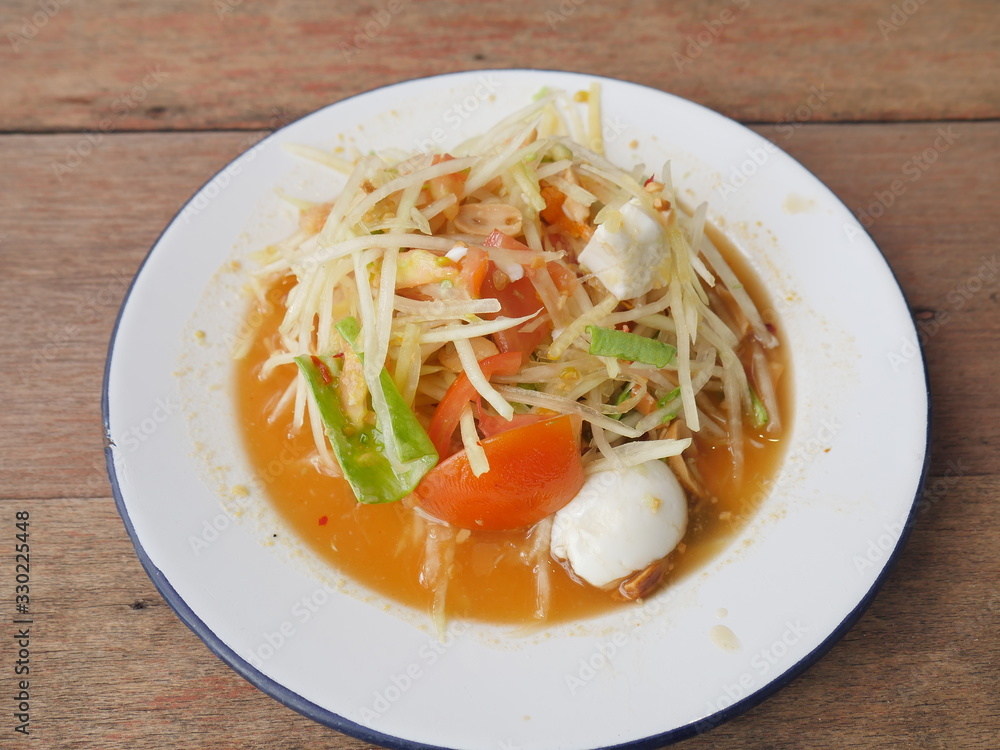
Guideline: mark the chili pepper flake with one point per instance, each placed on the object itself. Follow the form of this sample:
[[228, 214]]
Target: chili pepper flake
[[324, 371]]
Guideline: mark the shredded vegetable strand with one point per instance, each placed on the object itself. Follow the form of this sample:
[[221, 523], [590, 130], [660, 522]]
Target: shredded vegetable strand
[[472, 330], [372, 366], [632, 454], [575, 329], [594, 118], [734, 415], [298, 414], [600, 439], [474, 372], [384, 308], [547, 292], [320, 156], [683, 357], [403, 182], [407, 370], [566, 406], [765, 386], [347, 247], [439, 556], [447, 309], [431, 210], [283, 402], [541, 537], [545, 171], [478, 462], [504, 129], [639, 312], [487, 170], [716, 261], [334, 226]]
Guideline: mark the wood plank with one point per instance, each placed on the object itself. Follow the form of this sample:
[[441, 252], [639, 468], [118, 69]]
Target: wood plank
[[117, 669], [71, 246], [111, 65], [944, 254]]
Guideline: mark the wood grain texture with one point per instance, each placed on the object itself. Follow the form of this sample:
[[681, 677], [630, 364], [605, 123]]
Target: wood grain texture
[[938, 234], [113, 666], [869, 96], [110, 65], [71, 244]]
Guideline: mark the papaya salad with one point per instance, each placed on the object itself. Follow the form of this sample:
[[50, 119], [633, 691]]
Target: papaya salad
[[512, 355]]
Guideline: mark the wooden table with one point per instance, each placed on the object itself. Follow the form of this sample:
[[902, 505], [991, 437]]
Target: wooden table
[[113, 113]]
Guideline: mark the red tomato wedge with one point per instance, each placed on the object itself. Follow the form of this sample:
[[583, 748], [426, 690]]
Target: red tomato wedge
[[534, 471], [499, 239], [564, 279], [474, 266], [554, 215], [446, 415], [493, 424], [517, 299]]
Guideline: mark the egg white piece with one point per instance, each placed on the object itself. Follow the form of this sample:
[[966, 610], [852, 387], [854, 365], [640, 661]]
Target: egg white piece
[[620, 522], [629, 262]]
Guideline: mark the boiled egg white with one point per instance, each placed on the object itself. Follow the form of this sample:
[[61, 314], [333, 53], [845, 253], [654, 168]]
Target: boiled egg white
[[620, 521], [628, 261]]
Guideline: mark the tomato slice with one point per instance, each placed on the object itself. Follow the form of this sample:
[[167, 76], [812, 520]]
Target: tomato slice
[[493, 424], [517, 298], [554, 215], [449, 411], [565, 280], [534, 471], [499, 239], [474, 266]]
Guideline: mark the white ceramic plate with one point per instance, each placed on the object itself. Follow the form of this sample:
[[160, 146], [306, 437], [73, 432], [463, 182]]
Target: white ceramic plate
[[706, 649]]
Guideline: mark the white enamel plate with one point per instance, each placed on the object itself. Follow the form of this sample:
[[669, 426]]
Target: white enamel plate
[[712, 645]]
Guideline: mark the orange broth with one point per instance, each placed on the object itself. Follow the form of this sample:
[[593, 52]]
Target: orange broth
[[374, 544]]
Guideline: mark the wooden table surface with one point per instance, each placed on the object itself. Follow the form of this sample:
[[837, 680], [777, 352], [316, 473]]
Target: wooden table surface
[[113, 113]]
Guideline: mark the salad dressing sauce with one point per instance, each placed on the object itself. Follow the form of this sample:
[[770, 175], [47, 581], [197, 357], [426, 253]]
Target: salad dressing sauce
[[375, 545]]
